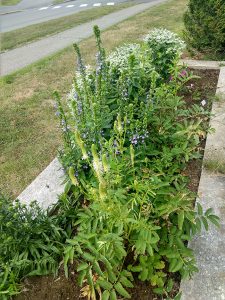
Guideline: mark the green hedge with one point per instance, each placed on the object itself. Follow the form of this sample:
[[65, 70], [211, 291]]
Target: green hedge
[[205, 25]]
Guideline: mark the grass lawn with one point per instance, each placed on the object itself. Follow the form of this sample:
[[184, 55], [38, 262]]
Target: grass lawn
[[18, 37], [9, 2], [29, 136]]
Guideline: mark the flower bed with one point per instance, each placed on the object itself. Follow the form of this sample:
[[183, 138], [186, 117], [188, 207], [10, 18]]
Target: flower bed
[[133, 134]]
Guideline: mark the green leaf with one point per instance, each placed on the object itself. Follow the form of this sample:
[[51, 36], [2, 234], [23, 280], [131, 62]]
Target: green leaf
[[208, 212], [159, 290], [214, 219], [205, 223], [88, 256], [82, 267], [126, 282], [172, 265], [105, 295], [105, 284], [81, 277], [120, 289], [169, 285], [180, 216], [178, 296], [135, 268], [143, 275], [177, 266], [97, 268], [200, 210], [111, 275], [113, 295]]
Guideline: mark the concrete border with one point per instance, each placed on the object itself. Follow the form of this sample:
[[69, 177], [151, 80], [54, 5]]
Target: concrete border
[[46, 187], [203, 64]]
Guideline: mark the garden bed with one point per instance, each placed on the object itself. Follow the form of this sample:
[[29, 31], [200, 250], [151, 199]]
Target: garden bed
[[38, 288]]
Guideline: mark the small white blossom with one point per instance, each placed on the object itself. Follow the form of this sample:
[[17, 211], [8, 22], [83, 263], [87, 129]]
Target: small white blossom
[[162, 37], [203, 102], [119, 58]]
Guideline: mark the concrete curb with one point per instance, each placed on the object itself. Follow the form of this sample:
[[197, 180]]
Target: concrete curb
[[209, 247]]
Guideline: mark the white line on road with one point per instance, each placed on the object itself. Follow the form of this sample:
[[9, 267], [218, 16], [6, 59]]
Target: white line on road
[[71, 5], [55, 7], [42, 8], [97, 4], [83, 5], [110, 3]]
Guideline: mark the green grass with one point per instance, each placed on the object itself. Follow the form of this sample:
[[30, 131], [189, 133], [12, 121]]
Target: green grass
[[9, 2], [58, 1], [29, 136], [215, 165], [19, 37]]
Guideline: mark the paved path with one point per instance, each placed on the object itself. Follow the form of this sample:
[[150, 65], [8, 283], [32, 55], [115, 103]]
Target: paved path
[[23, 56]]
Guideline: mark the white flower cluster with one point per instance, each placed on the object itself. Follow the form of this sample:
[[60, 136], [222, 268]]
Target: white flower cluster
[[165, 38], [79, 80], [119, 58]]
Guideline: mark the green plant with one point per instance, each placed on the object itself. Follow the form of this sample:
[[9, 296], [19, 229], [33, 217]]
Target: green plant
[[205, 25], [31, 243], [137, 213], [166, 48]]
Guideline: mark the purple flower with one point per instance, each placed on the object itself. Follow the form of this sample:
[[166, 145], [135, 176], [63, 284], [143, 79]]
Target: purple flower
[[183, 73]]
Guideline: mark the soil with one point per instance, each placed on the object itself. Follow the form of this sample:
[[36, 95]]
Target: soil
[[60, 288]]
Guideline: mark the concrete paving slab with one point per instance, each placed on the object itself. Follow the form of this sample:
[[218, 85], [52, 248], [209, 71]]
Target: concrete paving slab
[[21, 57]]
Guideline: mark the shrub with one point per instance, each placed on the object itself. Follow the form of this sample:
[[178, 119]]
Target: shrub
[[205, 25], [30, 244], [127, 172], [166, 48]]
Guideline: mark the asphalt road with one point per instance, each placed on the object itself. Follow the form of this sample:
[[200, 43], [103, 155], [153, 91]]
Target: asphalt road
[[44, 13]]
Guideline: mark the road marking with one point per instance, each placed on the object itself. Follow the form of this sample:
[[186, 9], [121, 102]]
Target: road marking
[[83, 5], [97, 4], [42, 8], [55, 7], [71, 5], [110, 3]]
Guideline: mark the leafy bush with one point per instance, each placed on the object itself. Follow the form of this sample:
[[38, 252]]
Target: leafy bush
[[124, 158], [31, 244], [205, 25], [166, 48]]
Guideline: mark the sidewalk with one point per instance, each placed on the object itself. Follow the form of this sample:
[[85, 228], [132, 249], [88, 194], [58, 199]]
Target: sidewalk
[[16, 59]]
